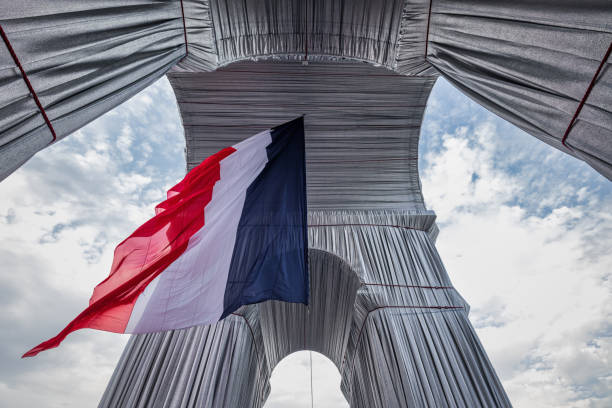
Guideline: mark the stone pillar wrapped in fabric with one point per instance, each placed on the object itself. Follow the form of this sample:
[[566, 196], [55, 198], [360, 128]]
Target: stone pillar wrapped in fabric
[[382, 307]]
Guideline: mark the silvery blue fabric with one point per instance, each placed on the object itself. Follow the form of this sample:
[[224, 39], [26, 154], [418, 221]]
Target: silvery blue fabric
[[389, 356], [362, 124], [531, 62]]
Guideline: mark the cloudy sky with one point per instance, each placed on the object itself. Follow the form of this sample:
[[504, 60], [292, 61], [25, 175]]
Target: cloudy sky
[[525, 234]]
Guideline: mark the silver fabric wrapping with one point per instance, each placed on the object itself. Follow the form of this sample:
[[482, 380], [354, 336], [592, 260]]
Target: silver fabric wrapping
[[361, 29], [381, 306], [528, 61], [83, 58], [220, 365], [391, 350], [531, 63], [387, 33], [410, 55], [201, 45], [362, 124]]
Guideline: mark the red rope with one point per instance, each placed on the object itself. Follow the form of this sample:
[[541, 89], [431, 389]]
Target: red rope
[[427, 35], [363, 225], [184, 29], [586, 95], [392, 285], [28, 83]]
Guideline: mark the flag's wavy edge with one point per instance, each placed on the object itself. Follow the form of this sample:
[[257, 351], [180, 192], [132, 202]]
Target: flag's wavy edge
[[148, 251]]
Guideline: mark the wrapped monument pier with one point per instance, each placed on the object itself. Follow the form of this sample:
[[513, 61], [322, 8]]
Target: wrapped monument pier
[[397, 330]]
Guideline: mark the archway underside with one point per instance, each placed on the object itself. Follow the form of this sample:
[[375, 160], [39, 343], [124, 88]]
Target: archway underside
[[543, 67]]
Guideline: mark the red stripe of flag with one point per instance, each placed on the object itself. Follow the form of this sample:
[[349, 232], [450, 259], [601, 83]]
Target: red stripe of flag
[[146, 253]]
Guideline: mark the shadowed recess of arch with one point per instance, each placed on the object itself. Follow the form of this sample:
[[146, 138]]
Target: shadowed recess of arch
[[324, 325]]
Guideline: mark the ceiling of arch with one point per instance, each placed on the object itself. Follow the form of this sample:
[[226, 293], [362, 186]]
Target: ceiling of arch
[[388, 33]]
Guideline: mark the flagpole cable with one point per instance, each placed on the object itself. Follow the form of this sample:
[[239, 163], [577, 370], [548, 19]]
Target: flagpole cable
[[309, 353], [311, 392]]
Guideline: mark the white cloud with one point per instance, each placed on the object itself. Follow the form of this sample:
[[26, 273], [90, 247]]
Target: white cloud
[[124, 142], [290, 383], [533, 261], [61, 216]]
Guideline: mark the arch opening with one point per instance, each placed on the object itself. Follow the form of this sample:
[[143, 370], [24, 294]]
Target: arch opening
[[291, 382]]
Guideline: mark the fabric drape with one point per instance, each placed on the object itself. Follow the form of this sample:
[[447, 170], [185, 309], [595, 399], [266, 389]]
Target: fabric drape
[[531, 62], [382, 307], [82, 59]]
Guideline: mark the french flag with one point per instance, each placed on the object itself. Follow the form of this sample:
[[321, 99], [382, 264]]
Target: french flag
[[233, 232]]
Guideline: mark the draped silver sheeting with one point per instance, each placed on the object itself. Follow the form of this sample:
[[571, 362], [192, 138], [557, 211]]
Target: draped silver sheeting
[[191, 367], [531, 63], [362, 124], [201, 45], [392, 348], [82, 58], [362, 29], [387, 33]]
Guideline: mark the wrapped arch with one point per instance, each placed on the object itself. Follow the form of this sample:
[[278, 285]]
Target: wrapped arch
[[405, 339], [382, 307]]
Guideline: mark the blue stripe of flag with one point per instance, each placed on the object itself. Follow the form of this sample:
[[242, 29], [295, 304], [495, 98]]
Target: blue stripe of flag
[[270, 255]]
